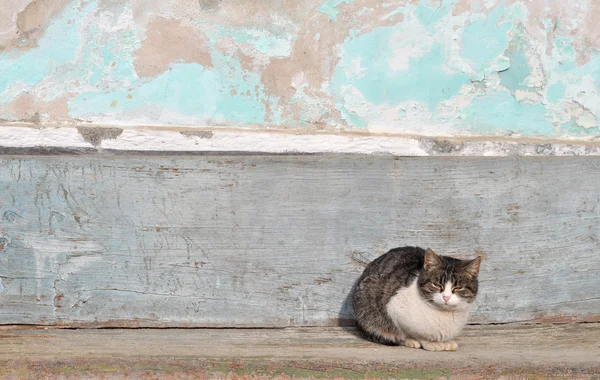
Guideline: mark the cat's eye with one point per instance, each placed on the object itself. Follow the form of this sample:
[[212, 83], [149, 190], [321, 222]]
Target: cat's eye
[[457, 288], [438, 287]]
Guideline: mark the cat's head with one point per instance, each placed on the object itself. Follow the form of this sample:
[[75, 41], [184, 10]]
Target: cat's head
[[449, 283]]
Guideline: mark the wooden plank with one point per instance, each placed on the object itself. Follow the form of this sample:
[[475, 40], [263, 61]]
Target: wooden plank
[[552, 352], [280, 240]]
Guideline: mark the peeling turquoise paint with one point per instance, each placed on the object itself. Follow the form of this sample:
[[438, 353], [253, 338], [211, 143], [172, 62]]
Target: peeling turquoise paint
[[108, 63], [363, 81], [571, 128], [488, 114], [483, 42], [248, 104], [429, 14], [567, 66], [428, 80], [187, 89], [57, 48], [515, 76], [488, 69], [330, 8], [223, 94], [564, 51], [192, 94], [556, 92], [573, 76]]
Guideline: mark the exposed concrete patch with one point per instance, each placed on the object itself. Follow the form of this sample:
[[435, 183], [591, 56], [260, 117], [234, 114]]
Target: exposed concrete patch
[[29, 109], [95, 135], [210, 5], [30, 23], [201, 134], [259, 14], [168, 41], [8, 15], [545, 149], [446, 146], [22, 107]]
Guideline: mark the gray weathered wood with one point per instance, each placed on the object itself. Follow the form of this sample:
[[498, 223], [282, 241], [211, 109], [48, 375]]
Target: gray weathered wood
[[568, 351], [279, 240]]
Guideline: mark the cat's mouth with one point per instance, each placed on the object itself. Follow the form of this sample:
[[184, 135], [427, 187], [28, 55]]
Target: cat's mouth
[[444, 307]]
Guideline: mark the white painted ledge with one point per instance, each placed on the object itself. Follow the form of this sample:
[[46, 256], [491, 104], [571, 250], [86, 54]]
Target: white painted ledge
[[155, 140]]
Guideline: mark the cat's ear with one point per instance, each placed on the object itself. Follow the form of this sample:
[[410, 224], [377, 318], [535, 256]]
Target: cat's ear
[[432, 260], [472, 267]]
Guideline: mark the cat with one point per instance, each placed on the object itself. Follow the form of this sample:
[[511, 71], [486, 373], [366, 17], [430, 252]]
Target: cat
[[413, 297]]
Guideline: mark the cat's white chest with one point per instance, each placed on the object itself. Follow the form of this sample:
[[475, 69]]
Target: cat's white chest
[[418, 320]]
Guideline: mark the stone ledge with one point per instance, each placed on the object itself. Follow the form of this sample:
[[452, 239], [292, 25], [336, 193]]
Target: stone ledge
[[46, 140]]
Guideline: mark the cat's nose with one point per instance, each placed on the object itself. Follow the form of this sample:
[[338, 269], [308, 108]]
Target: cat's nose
[[446, 298]]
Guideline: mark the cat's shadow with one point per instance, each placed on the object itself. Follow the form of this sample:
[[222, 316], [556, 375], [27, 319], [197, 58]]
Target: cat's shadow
[[346, 319]]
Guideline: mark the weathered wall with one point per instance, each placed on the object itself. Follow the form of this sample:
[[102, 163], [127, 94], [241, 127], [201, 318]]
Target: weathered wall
[[274, 241], [428, 67], [280, 240]]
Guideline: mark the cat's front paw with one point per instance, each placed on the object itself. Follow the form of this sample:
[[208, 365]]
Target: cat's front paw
[[432, 346], [411, 343], [449, 345]]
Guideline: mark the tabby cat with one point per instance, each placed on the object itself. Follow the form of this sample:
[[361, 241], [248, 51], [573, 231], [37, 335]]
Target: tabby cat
[[416, 298]]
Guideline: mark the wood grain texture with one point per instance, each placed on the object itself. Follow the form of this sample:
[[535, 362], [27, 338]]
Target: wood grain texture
[[280, 240], [568, 351]]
